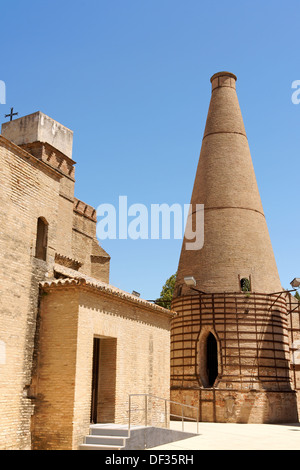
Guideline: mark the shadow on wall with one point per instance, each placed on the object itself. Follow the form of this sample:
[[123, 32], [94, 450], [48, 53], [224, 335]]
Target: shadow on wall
[[271, 366]]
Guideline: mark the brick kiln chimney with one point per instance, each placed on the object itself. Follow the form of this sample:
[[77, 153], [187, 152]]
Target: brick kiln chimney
[[229, 339], [236, 239]]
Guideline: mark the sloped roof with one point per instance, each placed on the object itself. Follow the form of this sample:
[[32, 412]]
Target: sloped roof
[[77, 279]]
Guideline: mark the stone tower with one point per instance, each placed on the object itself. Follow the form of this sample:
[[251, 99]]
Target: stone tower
[[230, 352]]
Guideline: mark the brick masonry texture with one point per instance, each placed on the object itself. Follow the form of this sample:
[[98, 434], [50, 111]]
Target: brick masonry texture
[[135, 355], [27, 191]]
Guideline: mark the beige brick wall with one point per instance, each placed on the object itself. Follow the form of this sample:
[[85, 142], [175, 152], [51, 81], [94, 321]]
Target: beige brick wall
[[28, 190], [65, 217], [85, 246], [56, 372]]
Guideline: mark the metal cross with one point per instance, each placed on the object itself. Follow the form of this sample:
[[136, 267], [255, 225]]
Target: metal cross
[[11, 114]]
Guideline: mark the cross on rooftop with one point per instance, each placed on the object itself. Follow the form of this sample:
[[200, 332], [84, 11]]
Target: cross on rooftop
[[11, 114]]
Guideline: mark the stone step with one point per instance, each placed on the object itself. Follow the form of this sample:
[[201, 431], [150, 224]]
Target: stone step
[[105, 437], [115, 437], [117, 441], [96, 429], [98, 447]]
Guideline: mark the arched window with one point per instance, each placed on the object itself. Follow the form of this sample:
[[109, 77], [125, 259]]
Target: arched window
[[41, 239]]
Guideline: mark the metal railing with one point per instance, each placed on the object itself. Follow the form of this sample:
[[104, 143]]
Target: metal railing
[[166, 401]]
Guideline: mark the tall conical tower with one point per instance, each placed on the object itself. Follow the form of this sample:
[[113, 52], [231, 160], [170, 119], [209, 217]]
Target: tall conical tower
[[230, 352]]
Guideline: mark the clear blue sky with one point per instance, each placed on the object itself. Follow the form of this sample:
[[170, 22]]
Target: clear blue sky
[[131, 79]]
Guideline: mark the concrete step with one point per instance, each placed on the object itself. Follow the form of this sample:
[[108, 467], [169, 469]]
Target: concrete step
[[115, 437], [96, 429], [117, 441], [98, 447], [105, 437]]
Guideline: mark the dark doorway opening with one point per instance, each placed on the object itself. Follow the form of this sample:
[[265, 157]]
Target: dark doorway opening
[[211, 359], [104, 380], [41, 239], [95, 380]]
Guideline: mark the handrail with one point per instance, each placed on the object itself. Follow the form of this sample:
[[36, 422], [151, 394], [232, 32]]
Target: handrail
[[166, 400]]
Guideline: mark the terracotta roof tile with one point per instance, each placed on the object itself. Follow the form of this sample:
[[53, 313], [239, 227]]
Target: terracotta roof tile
[[75, 278]]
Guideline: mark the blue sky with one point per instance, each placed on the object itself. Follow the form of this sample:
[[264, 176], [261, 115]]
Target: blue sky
[[132, 80]]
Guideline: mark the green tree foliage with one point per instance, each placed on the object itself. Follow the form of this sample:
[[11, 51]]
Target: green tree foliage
[[245, 285], [167, 293], [297, 295]]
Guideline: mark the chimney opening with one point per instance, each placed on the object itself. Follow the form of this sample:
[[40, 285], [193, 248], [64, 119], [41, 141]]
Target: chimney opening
[[245, 284]]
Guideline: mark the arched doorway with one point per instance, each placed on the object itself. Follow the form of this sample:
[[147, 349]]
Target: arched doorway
[[209, 366]]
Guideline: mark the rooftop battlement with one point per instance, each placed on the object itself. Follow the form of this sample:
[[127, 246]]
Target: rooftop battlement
[[84, 209]]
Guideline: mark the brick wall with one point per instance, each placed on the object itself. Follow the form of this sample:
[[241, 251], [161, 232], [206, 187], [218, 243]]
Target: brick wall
[[134, 350], [31, 188], [253, 357], [56, 372], [28, 190]]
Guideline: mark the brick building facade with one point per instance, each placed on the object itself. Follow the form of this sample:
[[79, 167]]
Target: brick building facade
[[58, 312]]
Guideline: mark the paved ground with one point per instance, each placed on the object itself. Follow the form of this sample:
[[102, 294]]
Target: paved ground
[[230, 436]]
